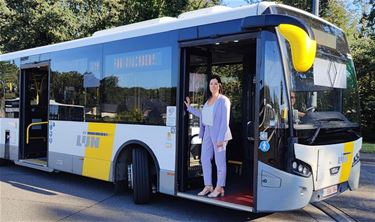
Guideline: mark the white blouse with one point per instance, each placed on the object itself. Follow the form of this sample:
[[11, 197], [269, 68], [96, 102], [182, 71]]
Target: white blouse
[[208, 114]]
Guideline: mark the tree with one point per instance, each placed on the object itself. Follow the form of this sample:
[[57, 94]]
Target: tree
[[3, 12], [96, 15], [31, 23], [370, 17], [197, 4], [337, 14], [363, 51]]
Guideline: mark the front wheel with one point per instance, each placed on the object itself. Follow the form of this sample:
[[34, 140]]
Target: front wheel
[[141, 179]]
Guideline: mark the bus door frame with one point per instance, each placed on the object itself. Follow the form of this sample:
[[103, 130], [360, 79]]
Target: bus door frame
[[22, 123], [183, 152], [255, 135], [182, 122]]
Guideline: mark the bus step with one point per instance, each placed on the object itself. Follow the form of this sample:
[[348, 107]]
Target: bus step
[[215, 201], [35, 164]]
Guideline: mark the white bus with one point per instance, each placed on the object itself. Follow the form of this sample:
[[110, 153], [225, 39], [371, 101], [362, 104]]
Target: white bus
[[289, 76]]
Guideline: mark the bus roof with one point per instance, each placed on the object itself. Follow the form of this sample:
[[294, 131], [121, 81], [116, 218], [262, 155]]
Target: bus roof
[[185, 20]]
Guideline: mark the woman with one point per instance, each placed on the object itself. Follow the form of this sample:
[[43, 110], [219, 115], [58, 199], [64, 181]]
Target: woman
[[215, 132]]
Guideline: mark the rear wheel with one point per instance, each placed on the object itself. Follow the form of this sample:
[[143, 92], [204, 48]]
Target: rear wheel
[[141, 178]]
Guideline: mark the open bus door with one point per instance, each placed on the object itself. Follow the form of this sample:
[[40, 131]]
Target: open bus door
[[198, 65], [34, 104], [233, 58]]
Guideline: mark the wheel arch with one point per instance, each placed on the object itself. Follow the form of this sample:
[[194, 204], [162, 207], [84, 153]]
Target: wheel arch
[[125, 152]]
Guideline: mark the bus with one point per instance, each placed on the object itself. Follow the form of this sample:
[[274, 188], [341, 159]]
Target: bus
[[289, 75]]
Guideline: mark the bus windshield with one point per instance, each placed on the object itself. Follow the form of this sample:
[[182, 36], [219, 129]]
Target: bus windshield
[[326, 96], [330, 86]]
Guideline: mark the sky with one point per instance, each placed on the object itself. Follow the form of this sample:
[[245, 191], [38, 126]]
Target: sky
[[234, 3]]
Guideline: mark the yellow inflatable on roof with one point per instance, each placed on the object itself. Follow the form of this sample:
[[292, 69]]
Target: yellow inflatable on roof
[[303, 48]]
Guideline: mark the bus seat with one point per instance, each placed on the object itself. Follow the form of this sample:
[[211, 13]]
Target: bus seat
[[237, 166]]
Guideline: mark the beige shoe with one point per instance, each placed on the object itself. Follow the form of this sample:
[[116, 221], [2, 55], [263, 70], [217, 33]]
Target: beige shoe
[[215, 194], [206, 190]]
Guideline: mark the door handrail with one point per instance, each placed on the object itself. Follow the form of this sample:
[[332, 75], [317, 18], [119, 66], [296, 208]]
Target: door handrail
[[30, 125]]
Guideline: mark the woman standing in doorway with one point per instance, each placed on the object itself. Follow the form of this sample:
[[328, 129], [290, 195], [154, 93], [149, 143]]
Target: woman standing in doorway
[[215, 134]]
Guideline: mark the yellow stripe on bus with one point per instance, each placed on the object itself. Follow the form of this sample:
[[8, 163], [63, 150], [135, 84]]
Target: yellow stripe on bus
[[98, 153], [347, 165]]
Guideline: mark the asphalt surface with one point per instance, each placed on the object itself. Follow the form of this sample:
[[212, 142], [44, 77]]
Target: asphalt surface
[[32, 195], [360, 204]]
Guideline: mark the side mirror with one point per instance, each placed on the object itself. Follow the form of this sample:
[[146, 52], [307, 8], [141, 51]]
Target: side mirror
[[303, 48]]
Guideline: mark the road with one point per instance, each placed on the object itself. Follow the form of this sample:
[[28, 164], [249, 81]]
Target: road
[[31, 195], [359, 205]]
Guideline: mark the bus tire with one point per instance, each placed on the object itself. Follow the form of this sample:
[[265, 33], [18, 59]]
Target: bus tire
[[141, 179]]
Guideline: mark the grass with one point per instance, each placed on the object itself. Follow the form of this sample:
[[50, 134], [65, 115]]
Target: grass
[[368, 148]]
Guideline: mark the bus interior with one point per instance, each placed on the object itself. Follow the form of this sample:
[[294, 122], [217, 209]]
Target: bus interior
[[34, 114], [234, 60]]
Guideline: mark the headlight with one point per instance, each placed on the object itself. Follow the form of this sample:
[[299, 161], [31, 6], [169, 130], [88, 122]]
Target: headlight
[[301, 168], [294, 165], [305, 170]]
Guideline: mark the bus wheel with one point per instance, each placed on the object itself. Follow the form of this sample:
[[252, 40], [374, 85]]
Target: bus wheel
[[141, 179]]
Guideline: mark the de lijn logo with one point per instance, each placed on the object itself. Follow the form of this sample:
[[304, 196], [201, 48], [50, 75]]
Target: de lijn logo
[[264, 146], [90, 139]]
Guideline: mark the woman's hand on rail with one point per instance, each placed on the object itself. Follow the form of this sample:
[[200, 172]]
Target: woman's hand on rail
[[187, 101]]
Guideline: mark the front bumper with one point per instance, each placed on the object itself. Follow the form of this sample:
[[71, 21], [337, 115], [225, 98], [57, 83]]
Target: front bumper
[[351, 184]]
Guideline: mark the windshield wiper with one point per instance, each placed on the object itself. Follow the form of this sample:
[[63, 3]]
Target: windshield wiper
[[312, 139]]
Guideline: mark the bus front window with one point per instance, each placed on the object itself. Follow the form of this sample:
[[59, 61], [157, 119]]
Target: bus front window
[[339, 94], [324, 101]]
